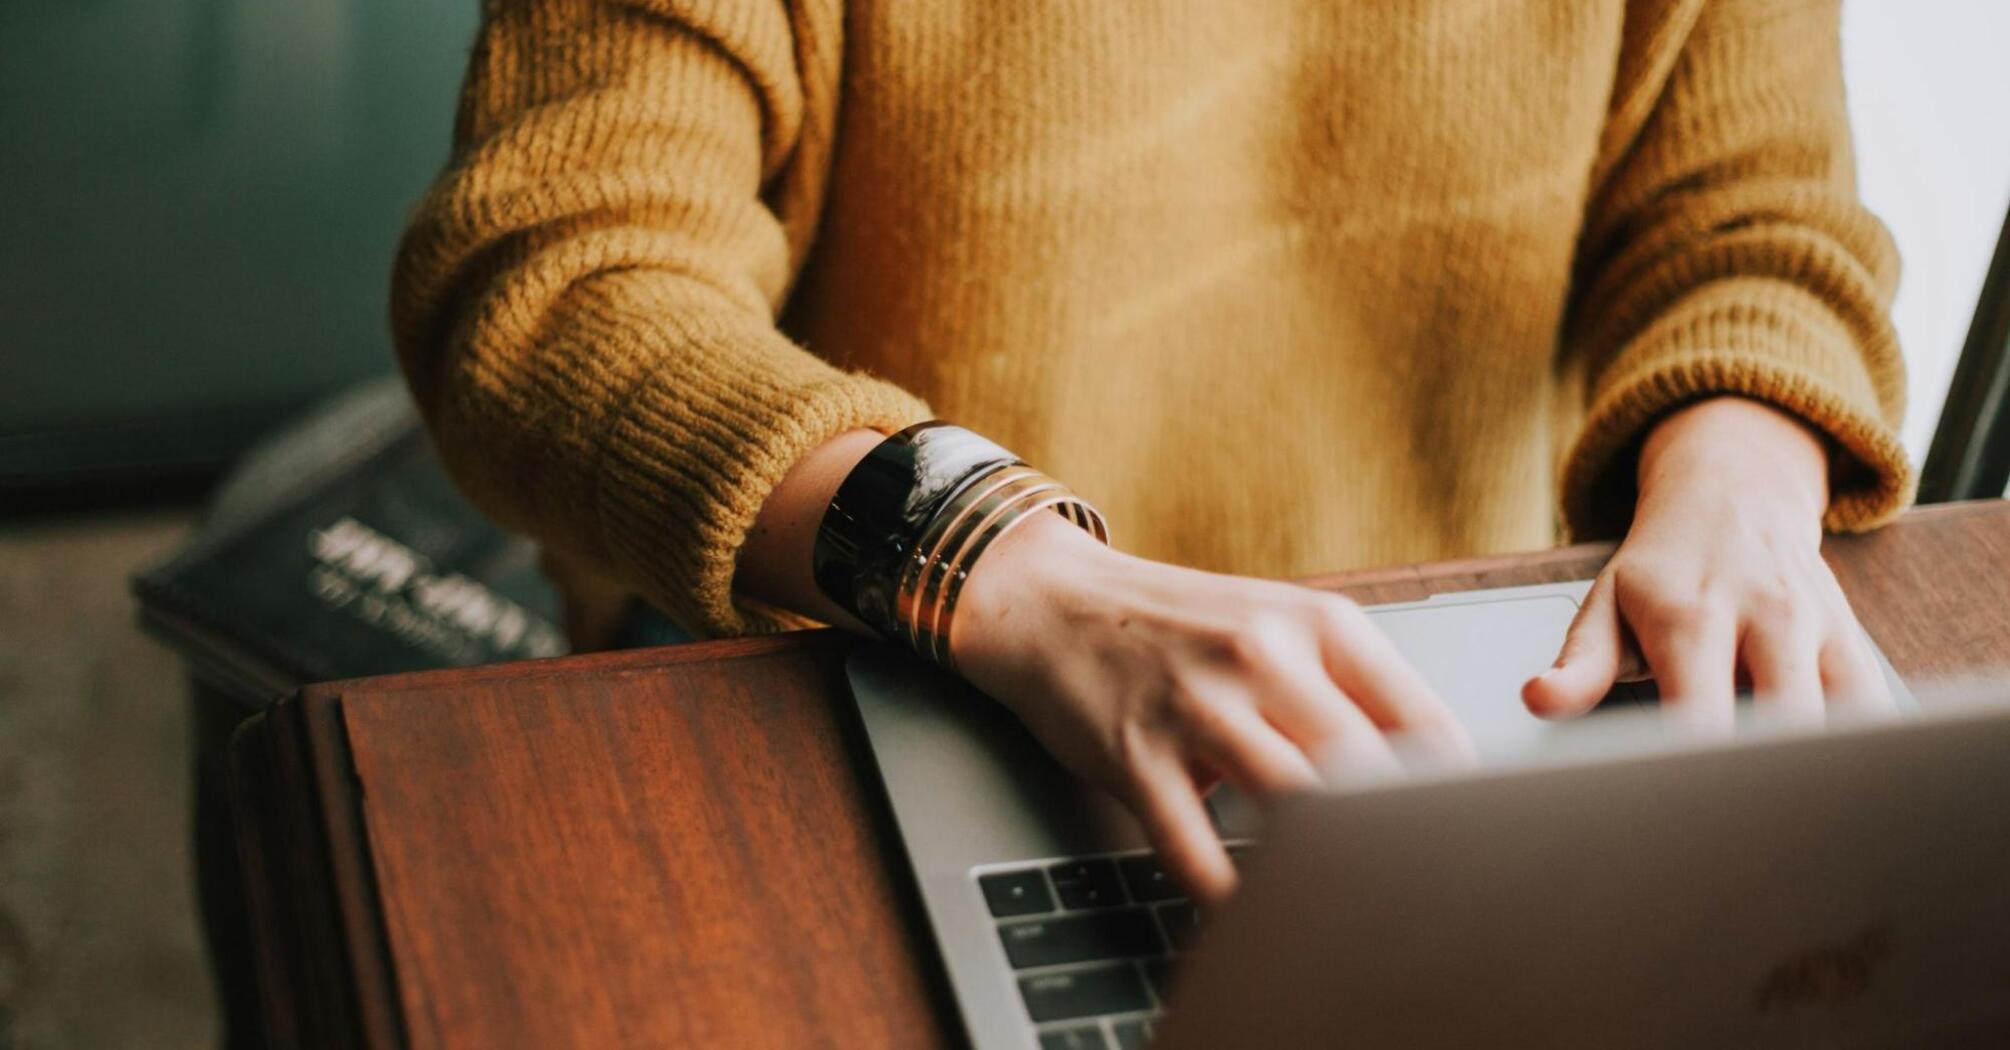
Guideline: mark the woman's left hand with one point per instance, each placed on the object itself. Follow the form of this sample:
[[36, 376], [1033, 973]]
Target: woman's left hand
[[1720, 581]]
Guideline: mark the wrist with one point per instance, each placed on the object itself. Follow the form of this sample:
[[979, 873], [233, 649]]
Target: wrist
[[774, 561], [905, 529], [1736, 448], [1020, 580]]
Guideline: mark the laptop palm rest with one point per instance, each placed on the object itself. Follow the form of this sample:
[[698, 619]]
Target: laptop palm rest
[[966, 775]]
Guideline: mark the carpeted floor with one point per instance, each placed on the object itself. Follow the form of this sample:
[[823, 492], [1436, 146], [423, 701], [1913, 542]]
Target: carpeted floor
[[98, 940]]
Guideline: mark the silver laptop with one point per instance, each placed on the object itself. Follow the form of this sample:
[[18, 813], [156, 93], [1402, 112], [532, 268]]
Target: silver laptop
[[1589, 884]]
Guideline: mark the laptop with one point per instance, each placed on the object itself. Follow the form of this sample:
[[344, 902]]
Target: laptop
[[1594, 883]]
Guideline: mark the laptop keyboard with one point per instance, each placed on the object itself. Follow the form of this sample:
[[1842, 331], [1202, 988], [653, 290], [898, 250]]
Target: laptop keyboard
[[1092, 943]]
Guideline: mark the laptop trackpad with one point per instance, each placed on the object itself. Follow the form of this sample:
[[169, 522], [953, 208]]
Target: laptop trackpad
[[1476, 654]]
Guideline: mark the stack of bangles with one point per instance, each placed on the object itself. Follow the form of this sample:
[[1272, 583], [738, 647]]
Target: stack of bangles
[[910, 522]]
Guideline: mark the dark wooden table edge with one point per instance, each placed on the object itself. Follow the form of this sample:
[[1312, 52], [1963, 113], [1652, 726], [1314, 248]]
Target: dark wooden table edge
[[761, 645], [326, 972], [287, 762]]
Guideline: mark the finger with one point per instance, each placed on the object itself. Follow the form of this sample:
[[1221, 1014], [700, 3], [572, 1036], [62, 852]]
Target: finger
[[1378, 682], [1235, 739], [1851, 676], [1181, 832], [1321, 721], [1692, 650], [1204, 776], [1784, 661], [1589, 662]]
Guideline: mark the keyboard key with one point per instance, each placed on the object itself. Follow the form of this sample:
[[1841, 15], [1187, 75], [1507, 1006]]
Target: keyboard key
[[1083, 993], [1081, 1037], [1087, 884], [1159, 973], [1132, 1034], [1182, 922], [1010, 893], [1081, 938], [1147, 879]]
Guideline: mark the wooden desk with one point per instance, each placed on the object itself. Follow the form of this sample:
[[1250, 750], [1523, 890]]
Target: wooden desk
[[687, 847]]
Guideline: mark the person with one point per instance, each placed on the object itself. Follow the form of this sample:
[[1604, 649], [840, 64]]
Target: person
[[1277, 288]]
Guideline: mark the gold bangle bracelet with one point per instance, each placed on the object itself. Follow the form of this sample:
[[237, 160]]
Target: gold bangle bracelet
[[1067, 503], [930, 582], [925, 627], [931, 635], [927, 556]]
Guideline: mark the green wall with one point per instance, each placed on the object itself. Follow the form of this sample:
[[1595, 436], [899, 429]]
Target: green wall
[[199, 198]]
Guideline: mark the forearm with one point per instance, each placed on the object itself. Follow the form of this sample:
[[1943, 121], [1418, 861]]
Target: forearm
[[1725, 252], [775, 563], [584, 304]]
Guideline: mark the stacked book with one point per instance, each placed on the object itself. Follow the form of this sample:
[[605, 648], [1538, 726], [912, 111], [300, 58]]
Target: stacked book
[[340, 549]]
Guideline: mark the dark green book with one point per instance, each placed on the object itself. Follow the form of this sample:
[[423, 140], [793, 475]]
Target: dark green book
[[340, 549]]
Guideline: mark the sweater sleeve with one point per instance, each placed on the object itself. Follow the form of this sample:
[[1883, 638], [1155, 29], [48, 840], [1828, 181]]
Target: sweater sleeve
[[1725, 251], [584, 304]]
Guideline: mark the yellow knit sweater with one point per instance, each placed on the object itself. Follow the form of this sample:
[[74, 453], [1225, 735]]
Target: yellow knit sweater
[[1280, 286]]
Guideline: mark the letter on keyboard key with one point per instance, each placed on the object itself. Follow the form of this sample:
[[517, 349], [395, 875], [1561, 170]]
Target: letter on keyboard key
[[1087, 884], [1083, 993], [1080, 938], [1010, 893], [1080, 1037]]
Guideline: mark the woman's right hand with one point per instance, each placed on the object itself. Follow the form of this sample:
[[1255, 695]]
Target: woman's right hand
[[1150, 680], [1156, 681]]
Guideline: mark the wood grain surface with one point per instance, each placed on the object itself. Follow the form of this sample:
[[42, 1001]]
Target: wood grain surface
[[655, 856], [685, 846]]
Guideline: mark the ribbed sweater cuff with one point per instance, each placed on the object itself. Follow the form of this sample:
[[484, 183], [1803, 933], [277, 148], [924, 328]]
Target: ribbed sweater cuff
[[692, 458], [1753, 337]]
